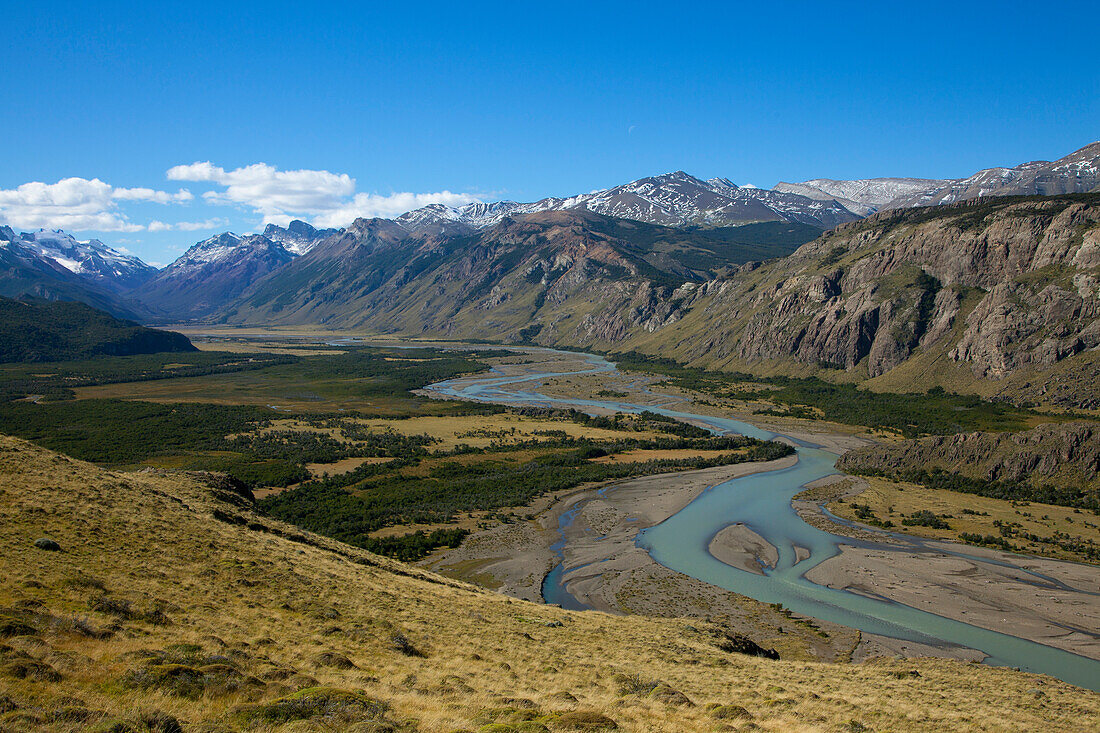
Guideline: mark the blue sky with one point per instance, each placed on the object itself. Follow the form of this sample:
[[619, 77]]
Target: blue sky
[[359, 102]]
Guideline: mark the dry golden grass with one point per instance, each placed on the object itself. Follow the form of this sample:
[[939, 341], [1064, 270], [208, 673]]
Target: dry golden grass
[[265, 602], [895, 500], [481, 431], [641, 456]]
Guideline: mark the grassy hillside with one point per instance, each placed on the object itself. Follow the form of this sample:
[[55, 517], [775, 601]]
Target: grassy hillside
[[38, 330], [171, 606]]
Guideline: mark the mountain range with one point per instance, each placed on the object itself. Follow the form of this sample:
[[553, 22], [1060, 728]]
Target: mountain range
[[962, 277], [1078, 172], [215, 271], [55, 266]]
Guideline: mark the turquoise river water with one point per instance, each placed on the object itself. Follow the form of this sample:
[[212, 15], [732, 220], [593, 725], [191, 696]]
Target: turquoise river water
[[762, 501]]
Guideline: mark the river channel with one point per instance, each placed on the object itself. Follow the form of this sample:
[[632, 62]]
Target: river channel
[[762, 501]]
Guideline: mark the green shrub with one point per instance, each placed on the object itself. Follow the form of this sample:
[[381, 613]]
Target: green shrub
[[330, 703], [925, 518]]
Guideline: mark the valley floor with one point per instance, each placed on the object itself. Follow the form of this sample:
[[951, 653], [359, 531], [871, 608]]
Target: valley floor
[[173, 605], [1055, 603], [169, 608]]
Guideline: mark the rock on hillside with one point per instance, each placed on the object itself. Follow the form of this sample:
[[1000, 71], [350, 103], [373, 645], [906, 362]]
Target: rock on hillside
[[997, 286], [1059, 454]]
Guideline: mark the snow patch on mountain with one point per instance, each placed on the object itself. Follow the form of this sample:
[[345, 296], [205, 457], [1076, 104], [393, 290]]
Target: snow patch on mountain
[[92, 260], [673, 199], [864, 196], [298, 237]]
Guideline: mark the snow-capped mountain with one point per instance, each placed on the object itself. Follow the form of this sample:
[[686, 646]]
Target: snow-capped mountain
[[298, 237], [26, 270], [91, 260], [216, 270], [864, 197], [1078, 172], [211, 273], [208, 251], [438, 219], [673, 199]]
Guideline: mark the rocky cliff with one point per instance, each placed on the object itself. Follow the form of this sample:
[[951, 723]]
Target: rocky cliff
[[1061, 454], [998, 287]]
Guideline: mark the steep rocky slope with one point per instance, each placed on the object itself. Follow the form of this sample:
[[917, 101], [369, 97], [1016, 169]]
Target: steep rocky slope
[[527, 270], [994, 289], [1063, 455], [167, 604]]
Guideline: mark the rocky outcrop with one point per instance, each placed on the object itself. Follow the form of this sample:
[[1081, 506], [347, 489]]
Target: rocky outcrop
[[997, 286], [1064, 454]]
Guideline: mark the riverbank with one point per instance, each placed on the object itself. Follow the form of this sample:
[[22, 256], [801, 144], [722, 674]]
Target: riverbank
[[606, 571], [1051, 601], [622, 577]]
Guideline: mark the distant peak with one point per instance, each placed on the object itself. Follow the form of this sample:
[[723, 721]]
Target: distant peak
[[676, 176]]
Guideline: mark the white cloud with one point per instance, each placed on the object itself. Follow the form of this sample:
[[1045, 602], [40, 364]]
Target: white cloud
[[369, 205], [77, 204], [148, 194], [278, 196], [196, 172], [187, 226], [270, 191], [327, 199]]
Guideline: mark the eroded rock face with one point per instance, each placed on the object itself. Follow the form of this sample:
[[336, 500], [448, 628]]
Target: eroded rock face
[[1014, 326], [1022, 275], [1069, 452]]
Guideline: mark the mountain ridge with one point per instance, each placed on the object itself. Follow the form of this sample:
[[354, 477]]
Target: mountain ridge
[[26, 271], [985, 291], [376, 274], [1078, 172]]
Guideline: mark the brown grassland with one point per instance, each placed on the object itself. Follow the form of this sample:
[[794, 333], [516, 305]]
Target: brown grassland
[[968, 513], [171, 606]]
